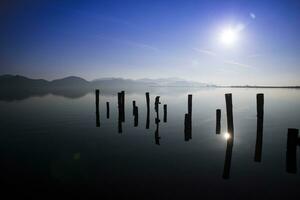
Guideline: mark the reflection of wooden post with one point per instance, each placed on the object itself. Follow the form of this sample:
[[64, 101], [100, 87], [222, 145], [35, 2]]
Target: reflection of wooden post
[[165, 112], [186, 125], [218, 121], [228, 155], [228, 98], [148, 110], [136, 116], [291, 153], [119, 125], [259, 128], [107, 110], [97, 92]]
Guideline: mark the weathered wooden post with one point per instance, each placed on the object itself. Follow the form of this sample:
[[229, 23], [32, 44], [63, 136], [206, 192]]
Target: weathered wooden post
[[107, 110], [291, 152], [156, 104], [190, 105], [123, 105], [230, 129], [157, 120], [148, 110], [97, 92], [188, 120], [218, 121], [120, 112], [165, 112], [259, 128], [133, 107]]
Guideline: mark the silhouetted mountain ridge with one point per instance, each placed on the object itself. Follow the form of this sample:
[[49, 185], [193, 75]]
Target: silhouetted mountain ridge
[[17, 81]]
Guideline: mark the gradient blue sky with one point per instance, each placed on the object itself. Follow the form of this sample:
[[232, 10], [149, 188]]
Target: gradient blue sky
[[153, 39]]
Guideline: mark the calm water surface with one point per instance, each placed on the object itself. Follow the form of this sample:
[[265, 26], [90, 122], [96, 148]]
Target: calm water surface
[[51, 144]]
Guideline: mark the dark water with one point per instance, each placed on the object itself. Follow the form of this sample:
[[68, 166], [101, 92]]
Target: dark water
[[50, 144]]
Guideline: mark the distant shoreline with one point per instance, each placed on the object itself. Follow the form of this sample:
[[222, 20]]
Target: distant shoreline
[[263, 87]]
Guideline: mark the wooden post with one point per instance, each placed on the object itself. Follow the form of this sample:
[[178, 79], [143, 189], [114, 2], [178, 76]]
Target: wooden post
[[107, 110], [218, 121], [120, 112], [188, 120], [230, 128], [97, 92], [190, 105], [291, 153], [123, 105], [259, 127], [156, 104], [148, 110], [133, 107], [165, 112]]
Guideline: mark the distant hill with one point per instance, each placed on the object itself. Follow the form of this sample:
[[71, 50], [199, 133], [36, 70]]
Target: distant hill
[[72, 82], [9, 81]]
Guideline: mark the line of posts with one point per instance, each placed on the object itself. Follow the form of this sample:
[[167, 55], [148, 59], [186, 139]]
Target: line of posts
[[293, 140]]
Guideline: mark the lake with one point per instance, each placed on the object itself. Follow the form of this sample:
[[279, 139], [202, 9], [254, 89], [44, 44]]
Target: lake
[[51, 144]]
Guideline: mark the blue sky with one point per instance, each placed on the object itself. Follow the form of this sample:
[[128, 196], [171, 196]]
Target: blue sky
[[152, 39]]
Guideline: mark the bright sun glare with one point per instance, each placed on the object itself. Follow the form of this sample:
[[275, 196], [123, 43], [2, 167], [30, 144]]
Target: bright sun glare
[[228, 36], [227, 136]]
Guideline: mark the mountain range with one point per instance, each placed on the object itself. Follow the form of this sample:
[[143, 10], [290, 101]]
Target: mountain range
[[17, 81]]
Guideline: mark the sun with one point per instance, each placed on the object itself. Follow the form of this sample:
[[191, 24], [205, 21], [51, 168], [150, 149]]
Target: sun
[[228, 36]]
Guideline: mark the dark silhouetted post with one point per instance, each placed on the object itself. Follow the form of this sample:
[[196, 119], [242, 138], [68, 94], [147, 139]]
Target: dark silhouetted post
[[133, 106], [259, 128], [107, 110], [218, 121], [188, 120], [291, 153], [148, 110], [165, 112], [120, 109], [190, 105], [97, 92], [230, 130], [228, 98], [135, 113], [190, 115], [123, 105], [156, 104], [157, 120]]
